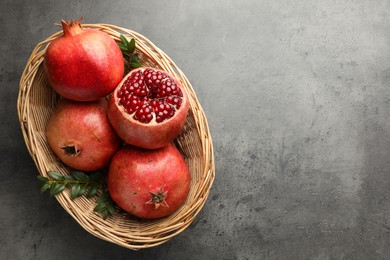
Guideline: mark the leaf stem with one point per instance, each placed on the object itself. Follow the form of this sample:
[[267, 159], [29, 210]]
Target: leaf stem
[[70, 182], [80, 184]]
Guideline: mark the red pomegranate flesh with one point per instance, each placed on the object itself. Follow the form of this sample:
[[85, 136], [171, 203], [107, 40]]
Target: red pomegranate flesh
[[80, 134], [149, 183], [148, 108], [83, 64]]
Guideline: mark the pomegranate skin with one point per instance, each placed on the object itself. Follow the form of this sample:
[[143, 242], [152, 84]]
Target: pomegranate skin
[[146, 135], [135, 174], [83, 64], [80, 134]]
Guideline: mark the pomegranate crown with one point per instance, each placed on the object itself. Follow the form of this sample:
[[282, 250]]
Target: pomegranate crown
[[71, 27]]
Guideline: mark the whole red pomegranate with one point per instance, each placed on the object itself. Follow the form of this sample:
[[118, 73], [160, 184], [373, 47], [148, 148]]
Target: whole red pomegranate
[[148, 108], [148, 183], [80, 134], [83, 64]]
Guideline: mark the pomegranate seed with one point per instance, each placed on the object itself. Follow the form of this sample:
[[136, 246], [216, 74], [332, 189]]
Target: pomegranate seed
[[174, 100], [144, 114]]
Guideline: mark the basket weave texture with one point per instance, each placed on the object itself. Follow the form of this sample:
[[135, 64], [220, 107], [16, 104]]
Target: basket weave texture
[[36, 101]]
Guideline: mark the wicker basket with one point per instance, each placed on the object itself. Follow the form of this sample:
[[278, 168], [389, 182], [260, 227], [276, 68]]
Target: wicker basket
[[36, 101]]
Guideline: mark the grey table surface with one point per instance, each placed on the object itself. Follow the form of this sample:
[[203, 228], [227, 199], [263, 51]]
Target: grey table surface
[[297, 98]]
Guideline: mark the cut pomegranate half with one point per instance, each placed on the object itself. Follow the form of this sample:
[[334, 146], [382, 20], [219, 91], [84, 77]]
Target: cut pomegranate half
[[148, 108]]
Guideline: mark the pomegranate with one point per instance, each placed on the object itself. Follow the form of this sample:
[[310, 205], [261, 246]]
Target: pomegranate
[[83, 64], [80, 134], [148, 108], [148, 183]]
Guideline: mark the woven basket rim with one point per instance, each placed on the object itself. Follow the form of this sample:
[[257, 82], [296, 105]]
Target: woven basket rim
[[34, 105]]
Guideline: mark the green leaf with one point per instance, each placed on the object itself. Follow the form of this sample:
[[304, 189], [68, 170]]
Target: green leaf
[[53, 188], [131, 46], [134, 57], [111, 209], [96, 176], [124, 40], [105, 205], [122, 47], [83, 189], [105, 214], [42, 178], [93, 189], [80, 176], [68, 178], [126, 56], [136, 64], [56, 188], [100, 207], [75, 191], [55, 175], [105, 195], [44, 186]]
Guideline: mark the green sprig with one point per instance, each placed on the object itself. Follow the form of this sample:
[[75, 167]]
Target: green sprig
[[80, 184], [130, 57]]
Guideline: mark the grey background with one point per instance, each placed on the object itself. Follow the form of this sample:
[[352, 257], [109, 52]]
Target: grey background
[[297, 98]]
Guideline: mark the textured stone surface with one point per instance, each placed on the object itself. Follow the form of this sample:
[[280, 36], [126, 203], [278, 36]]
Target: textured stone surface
[[297, 98]]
